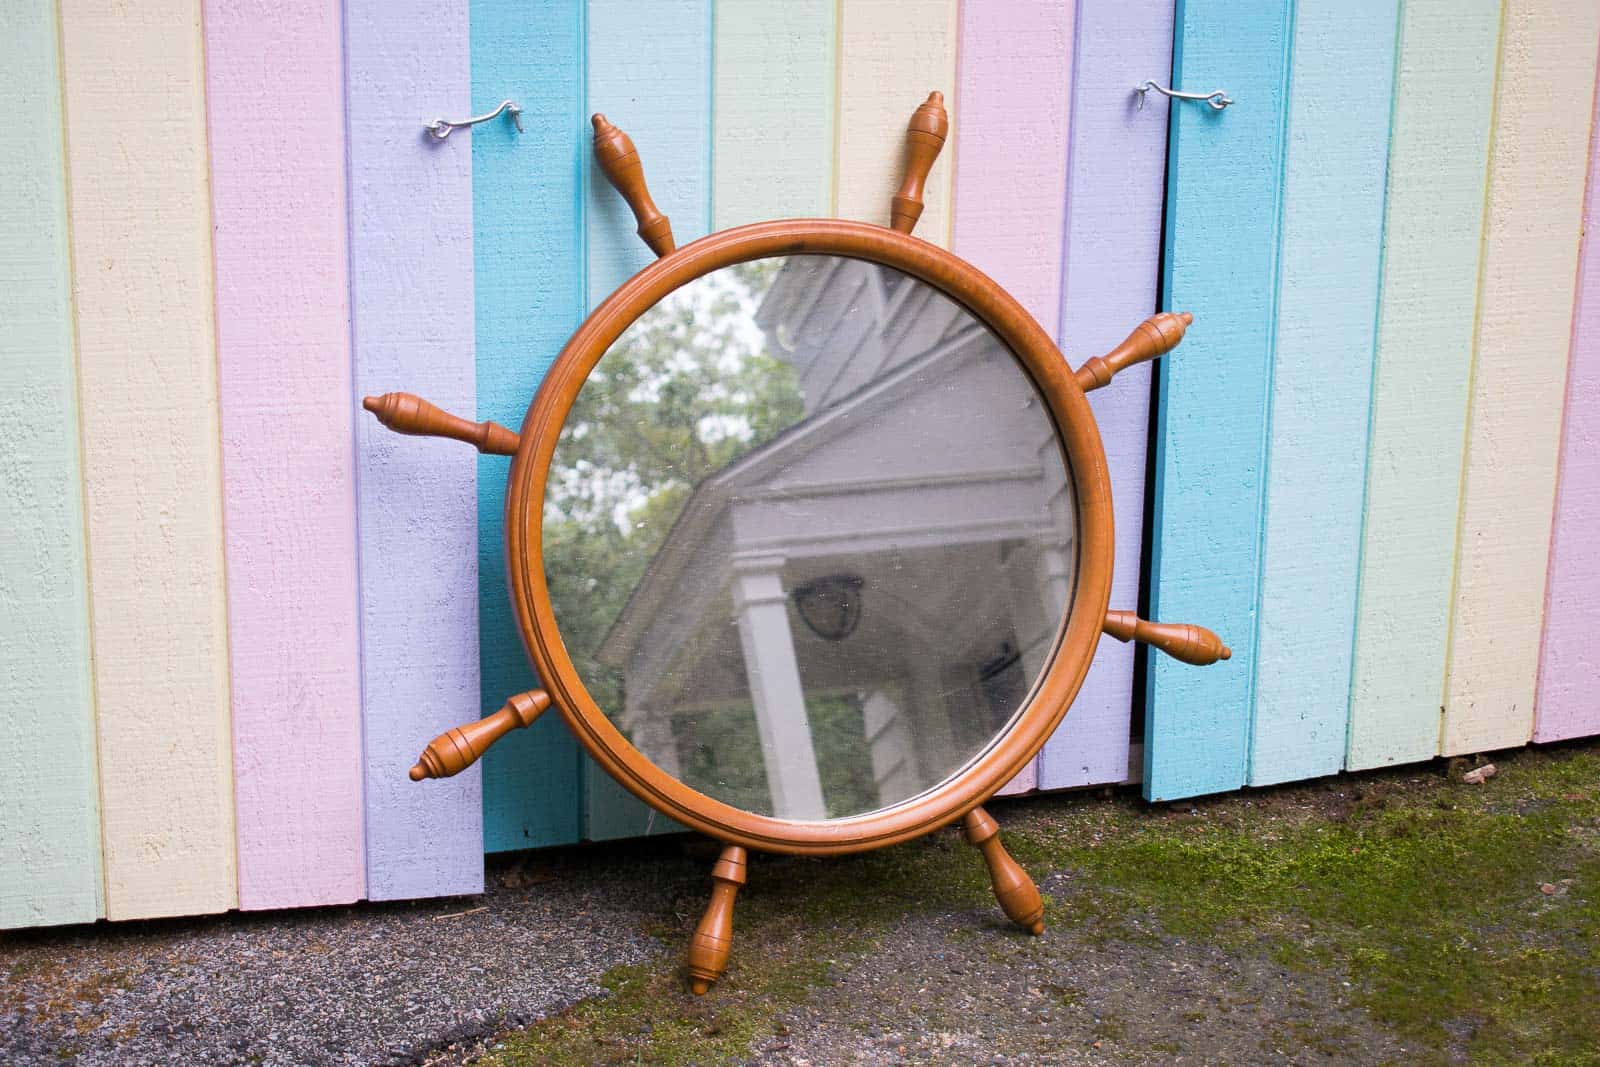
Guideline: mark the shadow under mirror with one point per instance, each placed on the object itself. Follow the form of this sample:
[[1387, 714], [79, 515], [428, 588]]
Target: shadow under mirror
[[809, 536]]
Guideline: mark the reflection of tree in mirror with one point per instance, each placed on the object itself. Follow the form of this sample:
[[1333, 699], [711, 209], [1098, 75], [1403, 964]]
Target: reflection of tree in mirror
[[687, 389]]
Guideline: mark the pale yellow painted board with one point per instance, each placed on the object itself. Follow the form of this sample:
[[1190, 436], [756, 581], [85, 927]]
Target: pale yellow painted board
[[892, 54], [142, 277], [772, 153], [1537, 165]]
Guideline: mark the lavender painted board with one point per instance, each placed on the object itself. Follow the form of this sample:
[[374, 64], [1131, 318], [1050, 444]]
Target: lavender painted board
[[1014, 81], [288, 509], [1335, 168], [1115, 183], [527, 244], [1569, 668], [412, 328], [1211, 439], [649, 71], [49, 808]]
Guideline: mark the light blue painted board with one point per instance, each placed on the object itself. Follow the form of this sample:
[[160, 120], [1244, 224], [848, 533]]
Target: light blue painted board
[[49, 807], [411, 305], [1224, 172], [650, 72], [527, 223], [1115, 176], [1335, 165]]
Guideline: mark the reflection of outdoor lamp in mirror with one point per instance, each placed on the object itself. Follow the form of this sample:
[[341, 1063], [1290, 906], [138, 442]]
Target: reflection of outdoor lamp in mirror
[[789, 414], [830, 606]]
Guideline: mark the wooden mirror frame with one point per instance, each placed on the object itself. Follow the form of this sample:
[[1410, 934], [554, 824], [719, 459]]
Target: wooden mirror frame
[[960, 794], [1051, 694]]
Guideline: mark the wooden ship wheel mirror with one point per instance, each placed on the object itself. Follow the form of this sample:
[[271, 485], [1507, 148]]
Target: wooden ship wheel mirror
[[808, 533]]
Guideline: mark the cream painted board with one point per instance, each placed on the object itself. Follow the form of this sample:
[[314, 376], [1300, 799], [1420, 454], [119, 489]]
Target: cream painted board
[[892, 54], [772, 111], [1537, 167], [141, 245]]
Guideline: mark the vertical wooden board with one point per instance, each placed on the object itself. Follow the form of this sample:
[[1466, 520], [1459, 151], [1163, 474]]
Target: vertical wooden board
[[412, 328], [1335, 165], [283, 367], [141, 253], [649, 72], [892, 54], [1224, 172], [1569, 668], [527, 222], [772, 137], [1438, 160], [49, 807], [1536, 177], [1014, 82], [1116, 167]]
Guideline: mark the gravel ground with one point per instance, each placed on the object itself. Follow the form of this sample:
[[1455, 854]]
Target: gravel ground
[[370, 984], [968, 988]]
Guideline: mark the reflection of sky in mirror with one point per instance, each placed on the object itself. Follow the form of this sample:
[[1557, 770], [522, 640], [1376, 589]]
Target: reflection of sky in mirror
[[809, 536]]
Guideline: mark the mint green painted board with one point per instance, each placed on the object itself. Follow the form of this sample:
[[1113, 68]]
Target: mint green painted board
[[1335, 164], [49, 795], [1438, 166], [527, 243], [773, 120], [649, 72], [1224, 170]]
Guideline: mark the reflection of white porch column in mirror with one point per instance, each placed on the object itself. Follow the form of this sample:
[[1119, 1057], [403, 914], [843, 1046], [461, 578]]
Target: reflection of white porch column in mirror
[[894, 761], [762, 608]]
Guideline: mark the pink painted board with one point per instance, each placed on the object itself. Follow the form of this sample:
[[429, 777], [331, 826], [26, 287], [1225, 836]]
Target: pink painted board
[[1116, 181], [1014, 84], [1569, 661], [283, 332]]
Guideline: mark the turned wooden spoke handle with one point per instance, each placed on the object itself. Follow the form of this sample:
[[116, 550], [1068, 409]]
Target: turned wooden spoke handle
[[407, 413], [460, 747], [925, 135], [1019, 898], [1184, 641], [1155, 336], [713, 936], [619, 162]]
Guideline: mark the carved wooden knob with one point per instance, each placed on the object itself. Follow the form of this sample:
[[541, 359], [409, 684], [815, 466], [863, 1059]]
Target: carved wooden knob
[[410, 414], [1018, 896], [1182, 641], [619, 162], [713, 937], [1155, 336], [925, 135], [460, 747]]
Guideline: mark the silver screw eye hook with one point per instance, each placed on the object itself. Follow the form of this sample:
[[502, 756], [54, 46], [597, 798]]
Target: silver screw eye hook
[[439, 129], [1216, 101]]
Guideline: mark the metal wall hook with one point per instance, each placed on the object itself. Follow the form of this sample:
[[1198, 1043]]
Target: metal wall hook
[[1214, 100], [439, 129]]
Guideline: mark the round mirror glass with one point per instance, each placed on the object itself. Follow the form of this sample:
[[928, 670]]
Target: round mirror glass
[[808, 536]]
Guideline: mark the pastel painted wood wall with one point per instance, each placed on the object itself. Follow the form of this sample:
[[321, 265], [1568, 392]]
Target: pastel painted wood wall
[[235, 608]]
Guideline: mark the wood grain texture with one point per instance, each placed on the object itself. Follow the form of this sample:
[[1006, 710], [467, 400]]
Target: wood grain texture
[[1427, 308], [412, 324], [1115, 185], [1569, 668], [892, 54], [1335, 166], [1014, 81], [141, 248], [1221, 264], [650, 72], [1537, 164], [49, 807], [283, 368], [527, 220], [772, 136]]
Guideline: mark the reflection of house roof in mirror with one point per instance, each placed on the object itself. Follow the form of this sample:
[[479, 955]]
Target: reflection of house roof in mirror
[[892, 345]]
